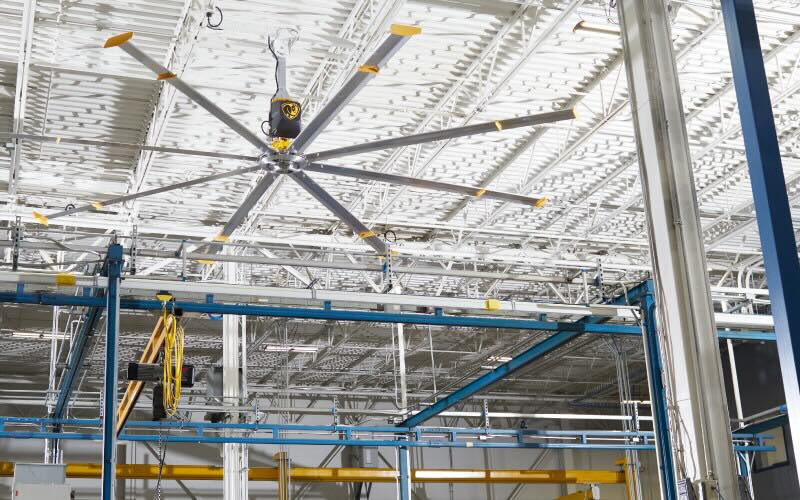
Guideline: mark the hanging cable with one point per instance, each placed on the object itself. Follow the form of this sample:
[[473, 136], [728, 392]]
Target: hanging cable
[[173, 358], [210, 15]]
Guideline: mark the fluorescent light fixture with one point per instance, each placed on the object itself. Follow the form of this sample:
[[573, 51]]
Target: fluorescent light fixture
[[499, 359], [601, 29], [290, 348]]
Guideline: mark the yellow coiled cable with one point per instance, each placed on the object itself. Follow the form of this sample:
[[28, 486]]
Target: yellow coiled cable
[[173, 360]]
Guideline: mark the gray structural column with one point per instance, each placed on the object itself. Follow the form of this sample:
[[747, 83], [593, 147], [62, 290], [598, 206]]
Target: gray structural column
[[234, 455], [699, 418]]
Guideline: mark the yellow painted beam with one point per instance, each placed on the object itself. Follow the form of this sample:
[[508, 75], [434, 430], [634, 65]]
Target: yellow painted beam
[[578, 495], [348, 475], [134, 388]]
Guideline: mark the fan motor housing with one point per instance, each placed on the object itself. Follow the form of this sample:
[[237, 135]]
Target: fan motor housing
[[285, 116]]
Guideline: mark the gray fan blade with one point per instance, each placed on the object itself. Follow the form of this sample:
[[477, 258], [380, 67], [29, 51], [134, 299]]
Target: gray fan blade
[[126, 145], [339, 210], [400, 34], [44, 219], [477, 192], [241, 213], [123, 41], [438, 135]]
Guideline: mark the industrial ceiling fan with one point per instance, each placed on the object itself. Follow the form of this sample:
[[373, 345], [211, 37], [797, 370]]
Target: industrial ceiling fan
[[285, 153]]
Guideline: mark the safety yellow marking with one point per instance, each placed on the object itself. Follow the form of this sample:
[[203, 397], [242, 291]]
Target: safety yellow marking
[[281, 144], [367, 68], [366, 234], [65, 279], [492, 305], [405, 30], [276, 99], [498, 124], [222, 237], [97, 204], [117, 40], [205, 261], [41, 218], [164, 297], [166, 76], [540, 202], [480, 193]]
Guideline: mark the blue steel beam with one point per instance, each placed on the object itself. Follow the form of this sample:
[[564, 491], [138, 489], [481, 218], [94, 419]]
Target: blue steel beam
[[421, 437], [773, 214], [51, 299], [77, 354], [327, 314], [537, 351]]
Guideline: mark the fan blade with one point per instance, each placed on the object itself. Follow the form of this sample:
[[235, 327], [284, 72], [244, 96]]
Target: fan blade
[[477, 192], [438, 135], [126, 145], [44, 219], [241, 213], [399, 35], [123, 41], [334, 206]]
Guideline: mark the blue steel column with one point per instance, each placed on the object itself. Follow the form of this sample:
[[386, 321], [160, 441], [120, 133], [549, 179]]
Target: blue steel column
[[658, 397], [778, 244], [404, 469], [110, 388]]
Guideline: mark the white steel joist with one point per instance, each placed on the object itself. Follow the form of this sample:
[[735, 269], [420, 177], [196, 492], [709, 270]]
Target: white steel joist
[[699, 418], [21, 90]]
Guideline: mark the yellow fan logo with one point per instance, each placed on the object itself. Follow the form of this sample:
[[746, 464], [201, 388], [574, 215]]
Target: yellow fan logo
[[290, 110]]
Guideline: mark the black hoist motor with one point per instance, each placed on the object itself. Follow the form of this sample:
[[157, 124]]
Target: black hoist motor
[[285, 116]]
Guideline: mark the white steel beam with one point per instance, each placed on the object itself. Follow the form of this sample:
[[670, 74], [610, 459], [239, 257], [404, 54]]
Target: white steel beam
[[21, 90], [698, 414], [234, 455]]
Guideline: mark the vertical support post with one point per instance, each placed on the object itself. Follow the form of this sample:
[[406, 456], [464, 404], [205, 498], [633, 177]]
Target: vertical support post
[[658, 398], [778, 242], [234, 455], [692, 361], [737, 393], [404, 474], [282, 460], [401, 367], [110, 389]]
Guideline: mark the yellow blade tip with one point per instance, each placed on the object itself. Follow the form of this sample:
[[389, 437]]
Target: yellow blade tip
[[541, 202], [575, 112], [166, 76], [97, 205], [367, 68], [118, 40], [41, 218], [366, 234], [405, 30], [222, 238]]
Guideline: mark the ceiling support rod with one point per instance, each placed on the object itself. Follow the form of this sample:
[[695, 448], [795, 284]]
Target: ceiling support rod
[[703, 448], [767, 180]]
